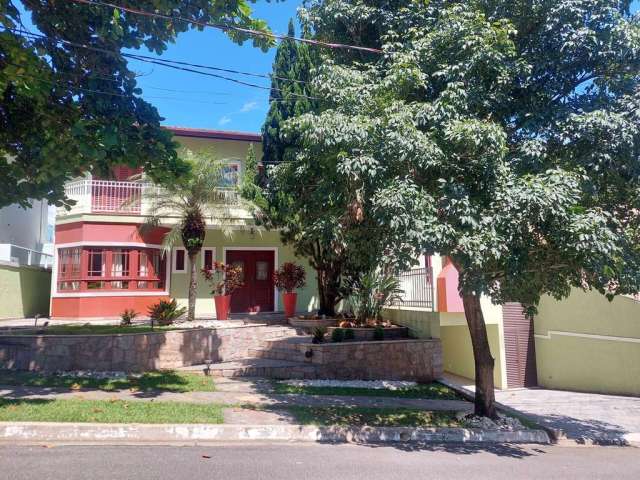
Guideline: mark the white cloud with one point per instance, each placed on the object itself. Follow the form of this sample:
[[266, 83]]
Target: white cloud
[[224, 120], [248, 106]]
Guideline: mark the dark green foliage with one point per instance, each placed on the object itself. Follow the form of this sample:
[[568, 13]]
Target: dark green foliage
[[53, 124], [291, 69], [337, 335], [349, 334], [166, 312], [193, 230], [127, 317], [378, 333], [318, 334]]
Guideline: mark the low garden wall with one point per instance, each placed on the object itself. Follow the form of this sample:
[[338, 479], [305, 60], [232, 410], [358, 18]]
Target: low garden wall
[[416, 360], [135, 352]]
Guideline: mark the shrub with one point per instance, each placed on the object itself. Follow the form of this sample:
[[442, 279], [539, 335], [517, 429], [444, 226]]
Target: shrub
[[223, 279], [378, 333], [371, 292], [318, 334], [337, 335], [126, 317], [289, 277], [349, 334], [165, 313]]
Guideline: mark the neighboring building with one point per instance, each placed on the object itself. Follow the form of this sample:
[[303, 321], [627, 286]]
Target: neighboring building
[[583, 343], [105, 263], [25, 260]]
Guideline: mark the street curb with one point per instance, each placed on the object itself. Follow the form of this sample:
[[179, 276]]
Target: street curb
[[43, 432], [556, 436]]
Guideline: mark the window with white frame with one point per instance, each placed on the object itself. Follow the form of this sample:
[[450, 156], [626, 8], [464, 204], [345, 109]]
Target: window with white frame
[[179, 260], [208, 257], [230, 174]]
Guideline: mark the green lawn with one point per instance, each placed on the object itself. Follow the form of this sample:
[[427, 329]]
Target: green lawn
[[167, 380], [91, 330], [373, 417], [107, 411], [435, 391]]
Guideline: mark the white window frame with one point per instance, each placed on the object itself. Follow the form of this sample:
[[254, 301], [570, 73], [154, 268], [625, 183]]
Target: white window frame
[[174, 260], [205, 249], [232, 162]]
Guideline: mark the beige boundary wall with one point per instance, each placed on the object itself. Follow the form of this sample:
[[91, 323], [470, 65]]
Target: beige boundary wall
[[24, 291], [452, 330], [587, 343]]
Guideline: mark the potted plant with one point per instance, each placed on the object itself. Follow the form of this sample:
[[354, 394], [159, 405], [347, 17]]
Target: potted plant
[[289, 277], [224, 280]]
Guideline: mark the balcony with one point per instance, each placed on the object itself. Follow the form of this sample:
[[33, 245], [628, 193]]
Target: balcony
[[110, 197]]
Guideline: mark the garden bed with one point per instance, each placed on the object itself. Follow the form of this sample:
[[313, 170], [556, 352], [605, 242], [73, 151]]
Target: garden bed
[[309, 323], [364, 334]]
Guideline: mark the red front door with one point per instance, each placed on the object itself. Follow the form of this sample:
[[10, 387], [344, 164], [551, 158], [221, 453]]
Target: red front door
[[256, 295]]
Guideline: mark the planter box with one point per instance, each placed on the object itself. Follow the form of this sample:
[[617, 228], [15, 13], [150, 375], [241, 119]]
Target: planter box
[[363, 334], [310, 323]]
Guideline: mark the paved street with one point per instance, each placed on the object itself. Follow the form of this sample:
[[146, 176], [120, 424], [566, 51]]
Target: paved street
[[317, 462]]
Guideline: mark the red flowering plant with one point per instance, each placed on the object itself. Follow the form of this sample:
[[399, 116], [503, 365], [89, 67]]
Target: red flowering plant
[[289, 277], [224, 279]]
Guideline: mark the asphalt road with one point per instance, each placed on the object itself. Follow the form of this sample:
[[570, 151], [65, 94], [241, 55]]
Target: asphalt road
[[316, 462]]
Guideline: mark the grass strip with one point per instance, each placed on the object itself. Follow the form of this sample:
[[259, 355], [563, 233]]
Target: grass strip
[[108, 411], [432, 391], [363, 416], [166, 380]]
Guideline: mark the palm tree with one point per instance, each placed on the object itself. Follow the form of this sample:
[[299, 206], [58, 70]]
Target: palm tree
[[193, 198]]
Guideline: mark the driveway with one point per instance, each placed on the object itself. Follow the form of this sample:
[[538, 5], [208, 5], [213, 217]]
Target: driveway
[[580, 416]]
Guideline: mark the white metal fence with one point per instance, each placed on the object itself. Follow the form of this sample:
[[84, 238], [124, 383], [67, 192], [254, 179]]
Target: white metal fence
[[25, 256], [417, 285]]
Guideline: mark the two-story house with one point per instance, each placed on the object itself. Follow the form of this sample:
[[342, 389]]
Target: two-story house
[[105, 263]]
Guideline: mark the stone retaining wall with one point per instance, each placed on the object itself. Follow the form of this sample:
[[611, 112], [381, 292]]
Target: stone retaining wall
[[135, 352], [416, 360]]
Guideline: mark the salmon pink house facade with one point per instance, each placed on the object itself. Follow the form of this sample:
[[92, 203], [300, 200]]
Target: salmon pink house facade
[[106, 263]]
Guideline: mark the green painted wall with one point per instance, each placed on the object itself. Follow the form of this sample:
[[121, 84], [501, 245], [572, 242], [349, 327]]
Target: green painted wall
[[452, 330], [24, 291], [571, 352], [307, 297]]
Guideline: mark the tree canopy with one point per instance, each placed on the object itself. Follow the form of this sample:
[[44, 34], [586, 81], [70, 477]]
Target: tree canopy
[[502, 134], [68, 100]]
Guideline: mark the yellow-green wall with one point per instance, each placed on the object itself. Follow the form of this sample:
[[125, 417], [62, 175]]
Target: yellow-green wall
[[307, 297], [24, 291], [587, 343], [451, 328]]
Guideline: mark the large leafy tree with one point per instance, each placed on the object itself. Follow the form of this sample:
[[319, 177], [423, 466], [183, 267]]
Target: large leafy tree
[[502, 134], [68, 100]]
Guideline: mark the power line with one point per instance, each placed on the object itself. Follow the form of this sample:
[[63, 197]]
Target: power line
[[226, 27], [165, 63]]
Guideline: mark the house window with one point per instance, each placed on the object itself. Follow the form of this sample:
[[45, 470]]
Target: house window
[[179, 260], [208, 257], [230, 175], [88, 268]]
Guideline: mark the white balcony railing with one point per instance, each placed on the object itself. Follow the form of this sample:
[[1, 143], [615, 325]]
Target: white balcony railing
[[417, 287], [25, 256], [107, 197]]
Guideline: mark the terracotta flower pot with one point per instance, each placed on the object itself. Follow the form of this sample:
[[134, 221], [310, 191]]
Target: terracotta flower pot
[[223, 302], [289, 300]]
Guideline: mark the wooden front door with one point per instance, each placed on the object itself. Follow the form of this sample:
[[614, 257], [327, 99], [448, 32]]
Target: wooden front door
[[256, 295], [520, 350]]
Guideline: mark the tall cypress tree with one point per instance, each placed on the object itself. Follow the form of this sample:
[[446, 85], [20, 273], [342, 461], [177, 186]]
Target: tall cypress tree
[[289, 89]]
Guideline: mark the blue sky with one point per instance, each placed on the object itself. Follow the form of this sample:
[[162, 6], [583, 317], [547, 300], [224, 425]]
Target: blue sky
[[192, 100]]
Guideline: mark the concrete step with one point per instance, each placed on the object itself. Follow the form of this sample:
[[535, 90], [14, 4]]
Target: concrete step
[[257, 367], [277, 354]]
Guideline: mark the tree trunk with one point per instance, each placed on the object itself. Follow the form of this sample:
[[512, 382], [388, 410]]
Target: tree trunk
[[327, 293], [193, 287], [485, 397]]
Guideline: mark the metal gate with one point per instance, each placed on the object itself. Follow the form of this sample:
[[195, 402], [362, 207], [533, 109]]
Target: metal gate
[[520, 350]]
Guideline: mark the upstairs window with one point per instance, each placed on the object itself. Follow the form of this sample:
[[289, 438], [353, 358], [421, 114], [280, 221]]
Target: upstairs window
[[230, 175]]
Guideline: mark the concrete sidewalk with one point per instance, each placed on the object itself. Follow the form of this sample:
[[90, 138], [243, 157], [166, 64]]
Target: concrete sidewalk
[[581, 417]]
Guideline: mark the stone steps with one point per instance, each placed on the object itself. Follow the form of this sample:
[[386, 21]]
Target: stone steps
[[290, 349], [256, 367]]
